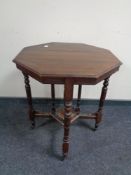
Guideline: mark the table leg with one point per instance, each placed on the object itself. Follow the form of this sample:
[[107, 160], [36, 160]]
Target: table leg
[[68, 96], [101, 102], [29, 99], [78, 98], [53, 97]]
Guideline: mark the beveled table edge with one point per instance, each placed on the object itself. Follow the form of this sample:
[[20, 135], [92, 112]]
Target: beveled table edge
[[61, 79]]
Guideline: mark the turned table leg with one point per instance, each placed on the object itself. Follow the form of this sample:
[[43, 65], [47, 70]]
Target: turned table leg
[[78, 98], [68, 95], [29, 99], [53, 97], [101, 102]]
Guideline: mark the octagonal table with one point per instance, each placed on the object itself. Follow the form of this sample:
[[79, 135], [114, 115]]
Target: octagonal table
[[69, 64]]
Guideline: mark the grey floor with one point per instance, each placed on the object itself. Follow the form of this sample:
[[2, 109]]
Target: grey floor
[[38, 152]]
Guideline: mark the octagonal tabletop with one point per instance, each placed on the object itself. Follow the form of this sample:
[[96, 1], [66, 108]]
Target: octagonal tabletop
[[72, 60]]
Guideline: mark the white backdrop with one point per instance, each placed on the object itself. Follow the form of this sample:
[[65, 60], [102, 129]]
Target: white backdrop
[[102, 23]]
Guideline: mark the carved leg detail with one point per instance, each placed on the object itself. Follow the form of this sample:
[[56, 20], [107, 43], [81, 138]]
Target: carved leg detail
[[78, 98], [101, 102], [29, 99], [68, 95], [53, 97]]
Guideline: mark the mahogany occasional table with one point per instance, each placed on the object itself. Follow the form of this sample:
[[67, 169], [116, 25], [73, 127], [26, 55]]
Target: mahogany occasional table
[[69, 64]]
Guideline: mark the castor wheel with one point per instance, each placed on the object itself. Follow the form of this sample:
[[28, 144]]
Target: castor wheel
[[32, 125]]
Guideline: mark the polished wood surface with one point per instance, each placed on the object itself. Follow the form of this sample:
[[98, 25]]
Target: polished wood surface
[[62, 60], [68, 64]]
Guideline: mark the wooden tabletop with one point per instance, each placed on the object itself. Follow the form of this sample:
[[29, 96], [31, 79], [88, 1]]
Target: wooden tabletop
[[67, 60]]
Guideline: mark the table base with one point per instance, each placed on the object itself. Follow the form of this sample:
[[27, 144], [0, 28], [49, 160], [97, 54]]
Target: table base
[[69, 114]]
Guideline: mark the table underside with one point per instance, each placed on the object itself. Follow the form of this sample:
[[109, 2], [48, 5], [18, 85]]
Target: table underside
[[59, 115], [68, 114]]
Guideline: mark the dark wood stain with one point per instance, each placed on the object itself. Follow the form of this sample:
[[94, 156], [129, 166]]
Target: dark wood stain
[[69, 64]]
